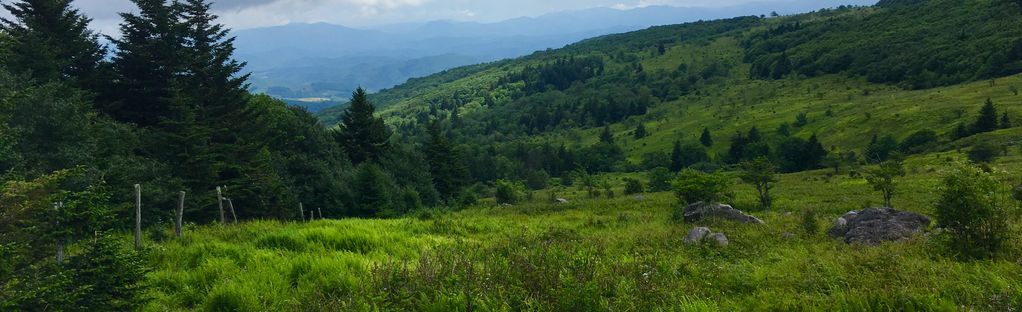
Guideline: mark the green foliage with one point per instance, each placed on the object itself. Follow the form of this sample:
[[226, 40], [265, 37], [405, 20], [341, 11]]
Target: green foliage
[[761, 174], [50, 41], [371, 191], [640, 131], [971, 43], [634, 186], [881, 149], [881, 178], [508, 192], [706, 138], [810, 222], [363, 135], [660, 179], [918, 142], [446, 167], [987, 120], [695, 186], [983, 152], [971, 210]]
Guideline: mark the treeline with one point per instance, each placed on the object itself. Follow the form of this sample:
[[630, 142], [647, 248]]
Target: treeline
[[960, 42]]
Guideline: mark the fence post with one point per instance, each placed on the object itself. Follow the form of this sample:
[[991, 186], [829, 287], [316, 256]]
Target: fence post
[[230, 206], [220, 203], [138, 216], [60, 243], [180, 214], [320, 210], [301, 211]]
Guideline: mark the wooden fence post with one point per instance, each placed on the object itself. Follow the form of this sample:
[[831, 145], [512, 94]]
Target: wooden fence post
[[230, 206], [220, 203], [180, 214], [320, 210], [60, 243], [138, 216], [301, 211]]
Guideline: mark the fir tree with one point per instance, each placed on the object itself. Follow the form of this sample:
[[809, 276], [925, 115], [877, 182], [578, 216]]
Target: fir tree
[[363, 136], [677, 157], [448, 171], [146, 65], [640, 131], [52, 42], [706, 139], [987, 120], [814, 153], [1005, 121], [607, 136]]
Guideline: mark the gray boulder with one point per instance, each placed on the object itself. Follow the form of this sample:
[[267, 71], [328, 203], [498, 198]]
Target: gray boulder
[[562, 201], [696, 235], [718, 239], [700, 211], [873, 226]]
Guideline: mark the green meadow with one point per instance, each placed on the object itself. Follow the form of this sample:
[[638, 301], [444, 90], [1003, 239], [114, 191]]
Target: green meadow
[[606, 254]]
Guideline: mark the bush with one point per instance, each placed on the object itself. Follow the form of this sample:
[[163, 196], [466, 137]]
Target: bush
[[969, 210], [660, 179], [633, 186], [983, 152], [536, 180], [693, 186], [509, 192], [810, 223], [918, 142], [410, 200]]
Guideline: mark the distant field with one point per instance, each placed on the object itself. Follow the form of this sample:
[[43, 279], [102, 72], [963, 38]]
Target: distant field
[[618, 254]]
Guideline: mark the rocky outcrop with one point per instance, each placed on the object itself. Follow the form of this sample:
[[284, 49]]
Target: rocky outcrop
[[701, 211], [873, 226]]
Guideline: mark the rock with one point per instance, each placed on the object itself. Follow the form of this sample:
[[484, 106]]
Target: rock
[[561, 201], [700, 211], [788, 235], [873, 226], [640, 198], [718, 239], [696, 235]]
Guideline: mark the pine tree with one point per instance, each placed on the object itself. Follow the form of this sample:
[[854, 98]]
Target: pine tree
[[1005, 121], [363, 136], [677, 158], [706, 139], [446, 166], [987, 120], [146, 65], [640, 131], [814, 153], [607, 136], [52, 41]]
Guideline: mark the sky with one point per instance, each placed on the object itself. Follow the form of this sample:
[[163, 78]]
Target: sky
[[242, 14]]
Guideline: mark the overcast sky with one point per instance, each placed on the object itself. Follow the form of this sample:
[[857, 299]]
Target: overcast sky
[[241, 14]]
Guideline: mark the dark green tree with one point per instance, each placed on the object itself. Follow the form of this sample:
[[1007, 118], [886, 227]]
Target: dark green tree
[[606, 136], [146, 64], [363, 135], [761, 173], [706, 138], [371, 191], [677, 161], [446, 166], [881, 149], [987, 120], [51, 41], [1005, 121], [640, 131]]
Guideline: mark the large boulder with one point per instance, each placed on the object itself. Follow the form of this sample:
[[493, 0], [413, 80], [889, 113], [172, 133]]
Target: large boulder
[[701, 211], [718, 239], [873, 226]]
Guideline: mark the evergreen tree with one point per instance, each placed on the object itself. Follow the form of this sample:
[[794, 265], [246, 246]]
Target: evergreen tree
[[676, 157], [146, 65], [1005, 121], [814, 153], [51, 41], [640, 131], [607, 136], [363, 136], [706, 139], [446, 166], [987, 120], [370, 192]]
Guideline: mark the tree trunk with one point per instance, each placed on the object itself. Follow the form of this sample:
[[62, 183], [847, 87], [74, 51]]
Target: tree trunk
[[180, 214], [60, 244], [220, 203], [301, 211], [138, 216]]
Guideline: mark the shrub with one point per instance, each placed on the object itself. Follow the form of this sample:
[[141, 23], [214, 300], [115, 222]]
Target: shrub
[[509, 192], [410, 200], [918, 142], [695, 186], [969, 210], [882, 177], [468, 198], [633, 186], [536, 180], [660, 179], [983, 152], [810, 223]]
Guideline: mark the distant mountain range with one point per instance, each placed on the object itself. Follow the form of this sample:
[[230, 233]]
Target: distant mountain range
[[324, 62]]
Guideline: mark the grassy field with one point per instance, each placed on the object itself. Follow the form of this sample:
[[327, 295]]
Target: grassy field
[[619, 254]]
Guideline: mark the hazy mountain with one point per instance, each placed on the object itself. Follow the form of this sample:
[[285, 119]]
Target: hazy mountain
[[328, 61]]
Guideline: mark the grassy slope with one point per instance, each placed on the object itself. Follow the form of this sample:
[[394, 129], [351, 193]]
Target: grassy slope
[[604, 254]]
